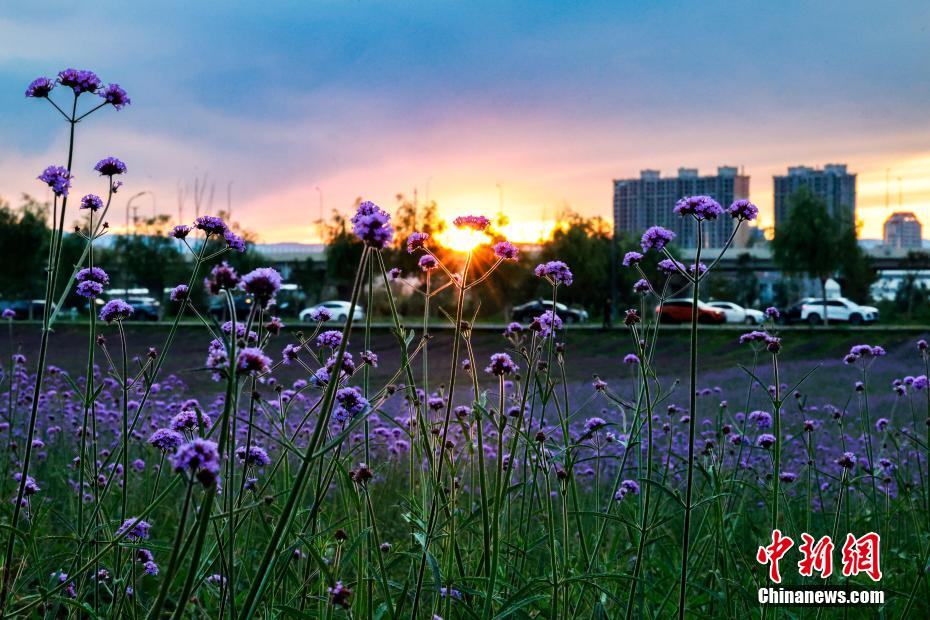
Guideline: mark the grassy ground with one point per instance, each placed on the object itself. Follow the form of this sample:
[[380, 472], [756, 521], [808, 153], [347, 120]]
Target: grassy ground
[[591, 350]]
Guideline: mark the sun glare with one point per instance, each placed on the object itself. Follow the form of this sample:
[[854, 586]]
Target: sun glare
[[462, 239]]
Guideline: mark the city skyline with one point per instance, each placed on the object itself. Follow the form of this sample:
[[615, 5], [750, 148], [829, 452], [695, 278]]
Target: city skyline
[[475, 105]]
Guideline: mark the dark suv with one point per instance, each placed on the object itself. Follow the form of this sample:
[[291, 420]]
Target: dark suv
[[530, 310]]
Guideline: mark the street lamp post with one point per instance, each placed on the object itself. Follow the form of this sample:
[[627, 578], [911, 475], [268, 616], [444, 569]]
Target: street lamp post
[[320, 219], [126, 233]]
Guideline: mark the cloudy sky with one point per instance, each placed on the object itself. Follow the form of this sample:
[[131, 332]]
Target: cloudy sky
[[550, 101]]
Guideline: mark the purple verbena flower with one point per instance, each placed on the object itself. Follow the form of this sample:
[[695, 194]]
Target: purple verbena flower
[[501, 365], [110, 166], [416, 240], [428, 263], [211, 225], [199, 457], [698, 207], [89, 289], [234, 242], [93, 274], [135, 529], [180, 231], [40, 87], [372, 225], [253, 457], [627, 487], [58, 178], [632, 258], [505, 250], [222, 277], [116, 310], [179, 293], [166, 439], [262, 283], [331, 338], [765, 440], [556, 271], [321, 314], [80, 81], [475, 222], [115, 96], [743, 210], [656, 238], [92, 202], [546, 324], [253, 359]]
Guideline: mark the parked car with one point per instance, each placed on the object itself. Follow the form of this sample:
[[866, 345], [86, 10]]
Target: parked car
[[792, 314], [339, 310], [532, 309], [144, 308], [838, 309], [219, 309], [27, 309], [679, 311], [738, 314]]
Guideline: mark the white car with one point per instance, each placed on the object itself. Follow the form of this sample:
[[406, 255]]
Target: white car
[[338, 310], [838, 309], [738, 314]]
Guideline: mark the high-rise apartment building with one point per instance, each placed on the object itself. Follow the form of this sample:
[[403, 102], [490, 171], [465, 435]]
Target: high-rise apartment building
[[834, 184], [649, 200], [903, 230]]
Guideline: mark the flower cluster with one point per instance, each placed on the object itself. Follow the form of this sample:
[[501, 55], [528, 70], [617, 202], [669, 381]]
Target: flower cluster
[[262, 284], [501, 365], [200, 458], [743, 210], [546, 324], [372, 225], [416, 240], [92, 202], [135, 529], [698, 207], [110, 167], [253, 360], [115, 96], [556, 271], [210, 225], [656, 238], [477, 223], [253, 456], [627, 487], [428, 263], [91, 281], [80, 81], [350, 403], [116, 310], [505, 250], [58, 178], [863, 354], [40, 87]]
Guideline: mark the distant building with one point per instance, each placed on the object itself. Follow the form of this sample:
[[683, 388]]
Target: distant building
[[903, 230], [834, 184], [649, 200]]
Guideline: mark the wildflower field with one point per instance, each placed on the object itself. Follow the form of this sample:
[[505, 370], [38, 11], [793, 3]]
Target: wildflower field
[[252, 469]]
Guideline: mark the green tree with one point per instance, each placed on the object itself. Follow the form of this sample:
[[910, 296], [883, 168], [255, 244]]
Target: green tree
[[856, 274], [811, 242], [24, 238], [148, 259], [343, 251]]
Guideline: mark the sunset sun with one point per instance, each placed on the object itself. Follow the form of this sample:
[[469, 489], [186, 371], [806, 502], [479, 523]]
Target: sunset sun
[[462, 239]]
